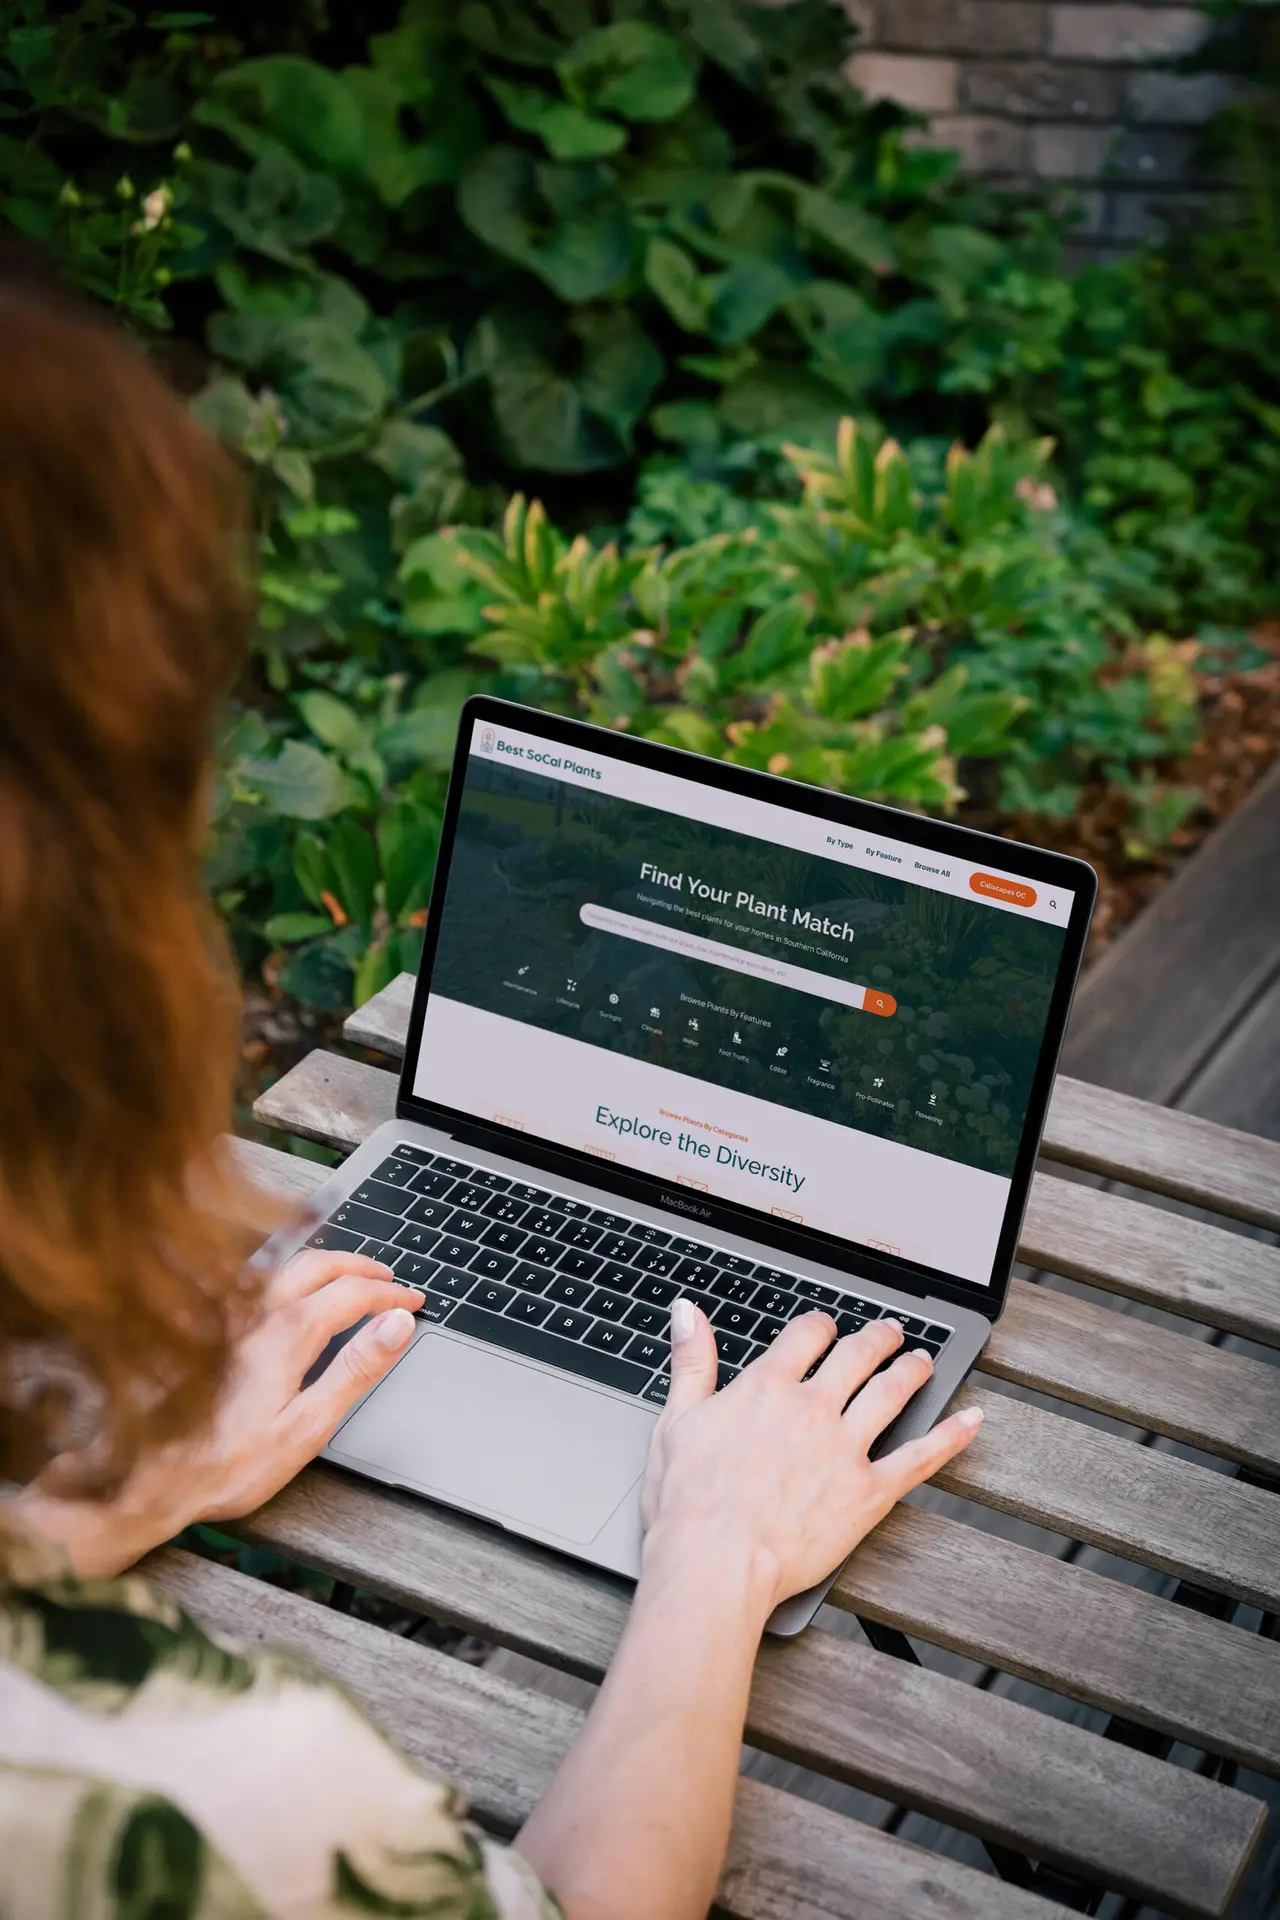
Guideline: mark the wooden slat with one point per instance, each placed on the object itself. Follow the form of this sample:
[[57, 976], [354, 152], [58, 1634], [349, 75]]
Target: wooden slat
[[1148, 1375], [963, 1755], [1167, 992], [1222, 1279], [788, 1859], [1088, 1126], [1240, 1086], [1075, 1349], [1095, 1639]]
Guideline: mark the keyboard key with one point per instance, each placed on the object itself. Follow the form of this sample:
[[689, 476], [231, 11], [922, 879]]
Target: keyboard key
[[417, 1155], [733, 1286], [707, 1301], [500, 1206], [336, 1239], [848, 1322], [496, 1182], [578, 1233], [529, 1308], [434, 1185], [768, 1330], [869, 1309], [616, 1246], [691, 1249], [648, 1319], [467, 1194], [432, 1213], [579, 1266], [729, 1318], [725, 1373], [381, 1250], [576, 1209], [569, 1292], [436, 1306], [492, 1265], [369, 1222], [774, 1300], [614, 1274], [815, 1290], [695, 1273], [505, 1239], [656, 1260], [732, 1348], [491, 1296], [652, 1236], [544, 1253], [658, 1292], [777, 1277], [616, 1222], [453, 1281], [414, 1269], [937, 1333], [605, 1335], [539, 1343], [733, 1262], [532, 1196], [457, 1168], [395, 1173], [467, 1226], [419, 1239], [657, 1390], [448, 1247], [569, 1323], [932, 1347], [532, 1279], [912, 1327], [645, 1350], [608, 1306], [544, 1221]]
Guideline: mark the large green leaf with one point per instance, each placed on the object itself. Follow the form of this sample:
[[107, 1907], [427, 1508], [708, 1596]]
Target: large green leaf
[[355, 868], [632, 69], [301, 782], [565, 130], [744, 298], [334, 722], [408, 833], [396, 165], [329, 385], [564, 223], [306, 105], [543, 410], [278, 208], [773, 397], [621, 367], [673, 275]]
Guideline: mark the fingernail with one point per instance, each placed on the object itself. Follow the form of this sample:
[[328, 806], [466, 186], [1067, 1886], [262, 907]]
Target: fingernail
[[922, 1353], [392, 1329], [895, 1324], [972, 1417], [682, 1320]]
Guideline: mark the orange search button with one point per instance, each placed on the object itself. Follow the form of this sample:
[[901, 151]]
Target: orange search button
[[1016, 892], [873, 1002]]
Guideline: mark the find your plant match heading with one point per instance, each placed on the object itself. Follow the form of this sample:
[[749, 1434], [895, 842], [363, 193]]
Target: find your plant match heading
[[747, 902]]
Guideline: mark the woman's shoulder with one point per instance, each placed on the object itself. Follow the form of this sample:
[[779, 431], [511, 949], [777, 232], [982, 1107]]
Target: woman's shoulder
[[133, 1740]]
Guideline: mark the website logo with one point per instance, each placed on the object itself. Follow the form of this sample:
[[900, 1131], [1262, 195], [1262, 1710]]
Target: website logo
[[486, 740], [686, 1206]]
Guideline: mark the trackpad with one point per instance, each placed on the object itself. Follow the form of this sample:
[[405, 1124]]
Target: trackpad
[[486, 1432]]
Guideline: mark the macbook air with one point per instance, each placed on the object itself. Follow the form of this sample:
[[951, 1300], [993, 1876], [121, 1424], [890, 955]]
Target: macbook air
[[683, 1027]]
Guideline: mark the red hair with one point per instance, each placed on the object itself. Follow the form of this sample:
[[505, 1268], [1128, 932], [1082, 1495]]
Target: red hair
[[124, 606]]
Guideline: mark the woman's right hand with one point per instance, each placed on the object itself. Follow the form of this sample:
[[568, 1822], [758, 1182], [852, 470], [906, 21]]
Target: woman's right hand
[[775, 1467]]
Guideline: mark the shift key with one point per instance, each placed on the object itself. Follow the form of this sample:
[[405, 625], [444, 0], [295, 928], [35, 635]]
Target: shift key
[[534, 1344], [367, 1220]]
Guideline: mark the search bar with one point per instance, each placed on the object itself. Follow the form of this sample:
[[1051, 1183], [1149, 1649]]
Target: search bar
[[759, 966]]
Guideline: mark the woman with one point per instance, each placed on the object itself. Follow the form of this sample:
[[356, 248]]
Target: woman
[[149, 1377]]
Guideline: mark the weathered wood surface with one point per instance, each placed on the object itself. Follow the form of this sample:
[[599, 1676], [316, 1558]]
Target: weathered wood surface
[[1168, 992], [1088, 1126], [986, 1764], [788, 1860], [341, 1101], [1239, 1086]]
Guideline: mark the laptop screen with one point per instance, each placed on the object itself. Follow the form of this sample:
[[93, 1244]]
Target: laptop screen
[[835, 1029]]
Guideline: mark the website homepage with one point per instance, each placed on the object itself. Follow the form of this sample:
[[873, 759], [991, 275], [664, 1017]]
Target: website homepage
[[836, 1029]]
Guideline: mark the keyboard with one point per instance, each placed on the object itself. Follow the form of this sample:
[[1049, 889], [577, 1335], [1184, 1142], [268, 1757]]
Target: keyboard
[[576, 1286]]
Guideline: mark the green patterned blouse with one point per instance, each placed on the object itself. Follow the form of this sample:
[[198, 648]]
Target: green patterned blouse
[[151, 1771]]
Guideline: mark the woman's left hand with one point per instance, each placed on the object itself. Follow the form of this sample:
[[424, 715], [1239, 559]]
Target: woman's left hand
[[267, 1424]]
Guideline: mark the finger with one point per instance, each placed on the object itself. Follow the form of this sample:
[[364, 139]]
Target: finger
[[920, 1459], [853, 1360], [311, 1323], [800, 1343], [315, 1267], [693, 1358], [359, 1365], [882, 1399]]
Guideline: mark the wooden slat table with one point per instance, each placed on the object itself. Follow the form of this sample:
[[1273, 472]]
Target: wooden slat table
[[1103, 1812]]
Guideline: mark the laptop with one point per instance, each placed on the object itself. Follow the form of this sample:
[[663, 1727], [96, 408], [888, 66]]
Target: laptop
[[685, 1027]]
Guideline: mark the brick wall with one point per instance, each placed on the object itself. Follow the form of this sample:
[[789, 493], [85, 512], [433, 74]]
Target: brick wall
[[1079, 95]]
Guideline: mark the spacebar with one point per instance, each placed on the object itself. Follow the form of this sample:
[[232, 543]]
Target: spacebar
[[537, 1345]]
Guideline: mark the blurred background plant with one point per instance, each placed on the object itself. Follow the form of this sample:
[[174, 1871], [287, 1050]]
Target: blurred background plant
[[637, 261]]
